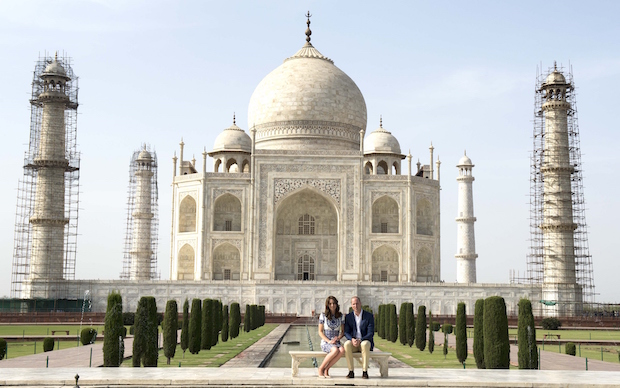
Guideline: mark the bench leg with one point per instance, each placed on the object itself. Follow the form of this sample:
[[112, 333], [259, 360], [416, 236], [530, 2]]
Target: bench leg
[[383, 368], [295, 366]]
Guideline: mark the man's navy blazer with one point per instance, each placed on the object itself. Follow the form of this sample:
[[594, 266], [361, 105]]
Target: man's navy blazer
[[367, 327]]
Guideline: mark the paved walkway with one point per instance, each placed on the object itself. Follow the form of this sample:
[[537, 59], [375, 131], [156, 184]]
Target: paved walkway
[[72, 357]]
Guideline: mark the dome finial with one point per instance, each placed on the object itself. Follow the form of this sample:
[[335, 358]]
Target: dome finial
[[380, 121], [308, 31], [555, 66], [56, 56], [234, 119]]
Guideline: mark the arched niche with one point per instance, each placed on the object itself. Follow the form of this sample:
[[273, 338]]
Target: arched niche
[[186, 260], [385, 215], [232, 166], [306, 224], [385, 264], [187, 215], [368, 168], [424, 267], [246, 166], [226, 262], [424, 217], [382, 168], [227, 214]]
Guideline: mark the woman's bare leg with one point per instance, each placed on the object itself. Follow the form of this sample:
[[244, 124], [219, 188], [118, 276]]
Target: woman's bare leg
[[326, 361], [339, 353]]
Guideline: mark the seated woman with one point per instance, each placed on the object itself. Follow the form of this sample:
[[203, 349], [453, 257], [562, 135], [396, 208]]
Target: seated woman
[[331, 331]]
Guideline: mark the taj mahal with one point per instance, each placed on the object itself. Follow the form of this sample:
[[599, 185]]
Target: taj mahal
[[304, 203]]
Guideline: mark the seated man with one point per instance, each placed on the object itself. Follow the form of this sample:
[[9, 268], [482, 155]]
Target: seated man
[[359, 328]]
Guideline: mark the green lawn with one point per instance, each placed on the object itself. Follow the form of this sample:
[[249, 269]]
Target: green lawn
[[592, 352], [42, 330], [217, 355], [417, 359], [613, 335]]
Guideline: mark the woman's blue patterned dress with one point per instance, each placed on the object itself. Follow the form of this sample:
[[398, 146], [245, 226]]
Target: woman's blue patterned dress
[[331, 329]]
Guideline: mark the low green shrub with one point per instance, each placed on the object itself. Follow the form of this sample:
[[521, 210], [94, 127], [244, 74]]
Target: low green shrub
[[436, 326], [551, 323], [48, 344], [570, 348], [447, 328], [2, 348], [131, 330], [128, 318], [87, 336]]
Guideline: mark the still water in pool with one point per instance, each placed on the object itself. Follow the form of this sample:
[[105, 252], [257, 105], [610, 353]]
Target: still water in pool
[[296, 338]]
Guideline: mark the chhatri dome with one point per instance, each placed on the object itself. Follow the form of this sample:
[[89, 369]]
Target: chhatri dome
[[233, 138], [555, 77], [381, 141], [307, 103]]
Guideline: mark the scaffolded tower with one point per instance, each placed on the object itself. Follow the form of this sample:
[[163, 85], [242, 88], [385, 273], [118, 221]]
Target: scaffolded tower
[[48, 194], [140, 258], [559, 256]]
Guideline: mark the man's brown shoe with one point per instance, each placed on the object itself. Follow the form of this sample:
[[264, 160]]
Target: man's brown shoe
[[350, 375], [364, 375]]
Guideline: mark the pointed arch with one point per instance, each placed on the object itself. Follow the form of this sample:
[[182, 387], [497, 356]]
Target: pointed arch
[[424, 265], [186, 263], [385, 215], [232, 166], [368, 168], [246, 166], [424, 217], [227, 213], [385, 264], [187, 215], [226, 261], [382, 168]]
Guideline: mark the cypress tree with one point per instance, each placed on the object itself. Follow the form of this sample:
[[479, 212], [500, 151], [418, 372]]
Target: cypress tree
[[224, 323], [496, 343], [431, 333], [113, 328], [461, 333], [207, 324], [379, 320], [410, 322], [246, 319], [139, 337], [526, 340], [195, 326], [217, 322], [185, 327], [145, 333], [402, 324], [171, 324], [479, 334], [393, 323], [235, 320], [151, 352], [387, 311], [420, 329], [262, 315]]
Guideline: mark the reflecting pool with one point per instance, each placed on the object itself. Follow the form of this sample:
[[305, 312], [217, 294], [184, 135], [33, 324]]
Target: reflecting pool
[[296, 338]]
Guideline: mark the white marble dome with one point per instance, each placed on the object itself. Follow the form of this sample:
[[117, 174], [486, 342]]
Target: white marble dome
[[381, 141], [144, 155], [233, 138], [465, 161], [555, 78], [307, 103], [55, 68]]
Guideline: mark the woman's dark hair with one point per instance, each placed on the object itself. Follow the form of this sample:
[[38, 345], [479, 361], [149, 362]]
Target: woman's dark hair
[[328, 312]]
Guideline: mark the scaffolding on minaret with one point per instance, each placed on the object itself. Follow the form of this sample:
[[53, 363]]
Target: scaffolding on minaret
[[27, 188], [141, 237], [535, 257]]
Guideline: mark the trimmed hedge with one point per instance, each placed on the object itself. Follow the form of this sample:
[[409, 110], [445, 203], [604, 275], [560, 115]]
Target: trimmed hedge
[[526, 337], [225, 323], [171, 322], [206, 340], [436, 326], [185, 327], [217, 321], [410, 323], [48, 344], [431, 333], [195, 326], [235, 320], [145, 337], [393, 323], [402, 323], [380, 320], [246, 319], [420, 329], [128, 318], [114, 327], [3, 348], [447, 328], [496, 343], [551, 323], [570, 348], [461, 333], [479, 333], [87, 335]]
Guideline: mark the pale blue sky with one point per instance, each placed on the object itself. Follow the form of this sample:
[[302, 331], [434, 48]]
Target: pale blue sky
[[459, 74]]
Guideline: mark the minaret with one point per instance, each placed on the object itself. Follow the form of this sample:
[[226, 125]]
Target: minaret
[[48, 218], [558, 226], [141, 240], [465, 243]]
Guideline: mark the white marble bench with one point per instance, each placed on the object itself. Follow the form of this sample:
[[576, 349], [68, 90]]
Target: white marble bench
[[297, 356]]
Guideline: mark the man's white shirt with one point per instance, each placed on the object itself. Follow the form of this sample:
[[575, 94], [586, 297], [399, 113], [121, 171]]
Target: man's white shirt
[[358, 321]]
